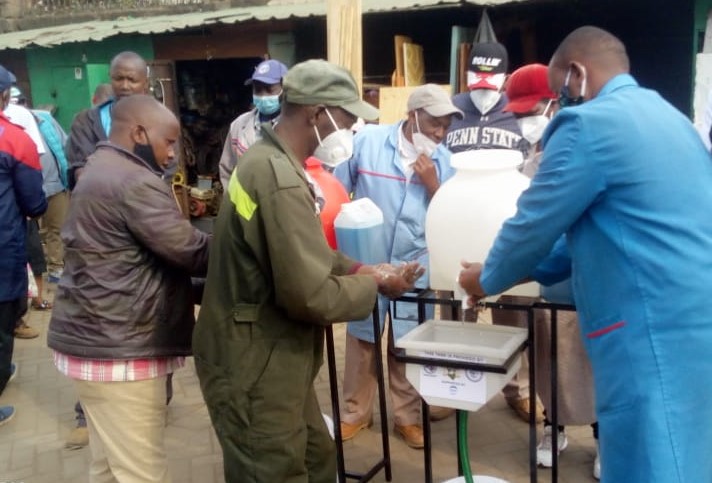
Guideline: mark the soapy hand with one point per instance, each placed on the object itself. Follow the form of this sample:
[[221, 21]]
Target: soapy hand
[[469, 280], [395, 281]]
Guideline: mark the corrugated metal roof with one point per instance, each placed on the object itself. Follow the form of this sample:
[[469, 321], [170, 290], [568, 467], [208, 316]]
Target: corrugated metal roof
[[274, 9]]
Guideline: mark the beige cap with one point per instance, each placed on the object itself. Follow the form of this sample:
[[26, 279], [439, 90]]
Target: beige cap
[[434, 100], [317, 81]]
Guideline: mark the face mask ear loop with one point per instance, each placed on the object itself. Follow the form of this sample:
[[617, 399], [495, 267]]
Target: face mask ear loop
[[504, 83], [583, 84], [316, 130], [417, 123], [567, 78], [318, 138], [336, 126], [548, 105], [148, 140]]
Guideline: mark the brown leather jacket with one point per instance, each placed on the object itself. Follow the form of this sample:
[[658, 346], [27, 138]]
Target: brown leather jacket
[[125, 292], [86, 131]]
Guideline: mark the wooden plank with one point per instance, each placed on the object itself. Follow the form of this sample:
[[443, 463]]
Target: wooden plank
[[399, 75], [414, 65], [462, 66], [345, 36]]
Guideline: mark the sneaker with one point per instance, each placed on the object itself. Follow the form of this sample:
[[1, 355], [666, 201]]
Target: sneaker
[[6, 414], [78, 438], [24, 331], [544, 453], [13, 372], [597, 464]]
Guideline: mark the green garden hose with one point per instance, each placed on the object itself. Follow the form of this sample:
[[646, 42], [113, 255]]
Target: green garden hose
[[462, 443]]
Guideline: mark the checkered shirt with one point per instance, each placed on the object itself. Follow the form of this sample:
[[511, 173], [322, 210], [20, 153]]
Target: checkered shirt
[[115, 370]]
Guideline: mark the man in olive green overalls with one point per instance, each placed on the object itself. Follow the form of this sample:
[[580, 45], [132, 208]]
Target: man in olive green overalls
[[273, 284]]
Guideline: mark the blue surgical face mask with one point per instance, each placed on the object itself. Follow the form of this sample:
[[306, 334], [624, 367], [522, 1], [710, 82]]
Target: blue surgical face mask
[[565, 99], [266, 105]]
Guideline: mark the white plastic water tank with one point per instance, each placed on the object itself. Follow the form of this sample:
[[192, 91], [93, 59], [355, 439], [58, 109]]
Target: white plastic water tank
[[468, 210]]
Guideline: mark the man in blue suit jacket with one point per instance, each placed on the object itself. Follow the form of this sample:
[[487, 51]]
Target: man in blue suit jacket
[[625, 176]]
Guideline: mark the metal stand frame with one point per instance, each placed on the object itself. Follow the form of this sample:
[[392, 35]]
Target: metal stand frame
[[385, 461], [554, 309], [423, 297]]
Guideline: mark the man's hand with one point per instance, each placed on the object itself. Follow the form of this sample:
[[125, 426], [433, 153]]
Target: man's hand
[[394, 281], [425, 169], [469, 279]]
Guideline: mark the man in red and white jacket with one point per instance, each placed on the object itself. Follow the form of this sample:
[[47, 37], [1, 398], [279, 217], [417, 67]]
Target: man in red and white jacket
[[21, 196]]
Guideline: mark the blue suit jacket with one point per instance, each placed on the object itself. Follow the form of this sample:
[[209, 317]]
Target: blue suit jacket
[[628, 180]]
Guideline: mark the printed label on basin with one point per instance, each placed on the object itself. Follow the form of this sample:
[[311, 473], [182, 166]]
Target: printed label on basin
[[456, 384]]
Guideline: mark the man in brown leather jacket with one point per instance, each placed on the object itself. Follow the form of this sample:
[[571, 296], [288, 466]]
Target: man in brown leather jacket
[[123, 313]]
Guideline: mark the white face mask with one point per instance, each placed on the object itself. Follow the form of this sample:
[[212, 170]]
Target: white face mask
[[484, 99], [335, 148], [423, 144], [533, 127]]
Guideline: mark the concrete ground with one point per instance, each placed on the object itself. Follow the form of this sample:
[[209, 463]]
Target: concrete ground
[[32, 444]]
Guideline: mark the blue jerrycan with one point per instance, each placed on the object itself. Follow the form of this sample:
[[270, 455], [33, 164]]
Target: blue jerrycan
[[360, 232]]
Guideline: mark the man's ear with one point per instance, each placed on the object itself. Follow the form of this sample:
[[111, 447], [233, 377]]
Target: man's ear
[[138, 135], [577, 70], [411, 117], [313, 113]]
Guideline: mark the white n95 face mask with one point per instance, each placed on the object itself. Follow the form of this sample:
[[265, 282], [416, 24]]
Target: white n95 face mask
[[533, 127], [485, 99], [423, 144], [335, 148]]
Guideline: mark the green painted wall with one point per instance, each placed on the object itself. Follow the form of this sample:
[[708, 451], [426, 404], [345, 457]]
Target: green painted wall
[[96, 74], [65, 76]]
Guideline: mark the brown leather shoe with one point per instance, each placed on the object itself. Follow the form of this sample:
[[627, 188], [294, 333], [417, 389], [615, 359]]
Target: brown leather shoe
[[521, 407], [438, 413], [24, 331], [348, 431], [78, 438], [412, 434]]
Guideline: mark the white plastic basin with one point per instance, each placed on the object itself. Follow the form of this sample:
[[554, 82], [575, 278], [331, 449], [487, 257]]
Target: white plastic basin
[[460, 341]]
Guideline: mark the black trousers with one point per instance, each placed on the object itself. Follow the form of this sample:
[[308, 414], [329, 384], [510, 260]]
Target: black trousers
[[35, 252], [10, 313]]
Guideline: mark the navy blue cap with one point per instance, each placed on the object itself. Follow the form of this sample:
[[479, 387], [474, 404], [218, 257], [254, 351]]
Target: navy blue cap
[[269, 72], [7, 79]]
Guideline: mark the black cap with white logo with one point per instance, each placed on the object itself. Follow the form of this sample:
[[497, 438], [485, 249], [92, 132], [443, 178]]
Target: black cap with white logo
[[488, 58]]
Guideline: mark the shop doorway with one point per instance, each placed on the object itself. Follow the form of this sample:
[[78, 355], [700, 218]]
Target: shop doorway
[[211, 93]]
